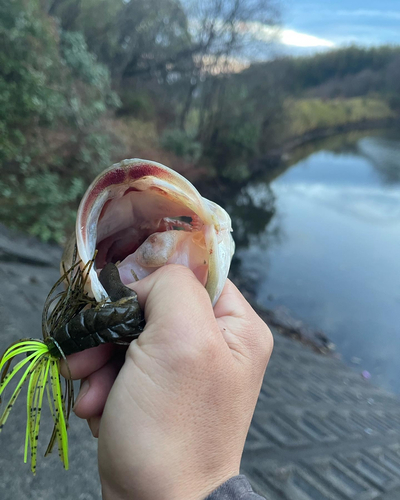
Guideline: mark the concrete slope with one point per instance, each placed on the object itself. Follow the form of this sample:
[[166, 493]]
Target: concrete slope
[[320, 432]]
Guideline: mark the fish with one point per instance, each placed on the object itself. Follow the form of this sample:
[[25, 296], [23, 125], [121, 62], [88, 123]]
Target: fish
[[145, 215], [136, 217]]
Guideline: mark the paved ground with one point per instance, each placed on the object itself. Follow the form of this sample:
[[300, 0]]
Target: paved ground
[[319, 432], [322, 432]]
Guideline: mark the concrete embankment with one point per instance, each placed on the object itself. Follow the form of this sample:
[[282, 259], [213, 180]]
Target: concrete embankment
[[320, 431]]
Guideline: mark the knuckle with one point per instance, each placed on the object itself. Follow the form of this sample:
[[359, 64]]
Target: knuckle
[[263, 341], [264, 330], [190, 355], [199, 351], [266, 341], [187, 359]]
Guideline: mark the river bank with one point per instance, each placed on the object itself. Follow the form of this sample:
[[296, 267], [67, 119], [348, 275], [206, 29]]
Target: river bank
[[284, 322], [222, 190], [273, 164], [275, 156], [319, 426]]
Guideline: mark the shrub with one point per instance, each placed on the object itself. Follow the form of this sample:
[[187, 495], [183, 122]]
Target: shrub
[[235, 145], [137, 104], [42, 204], [181, 143], [53, 96]]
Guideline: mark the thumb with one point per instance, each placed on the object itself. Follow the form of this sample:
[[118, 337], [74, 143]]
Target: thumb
[[176, 306]]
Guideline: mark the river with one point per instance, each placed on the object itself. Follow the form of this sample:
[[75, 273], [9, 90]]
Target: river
[[320, 239]]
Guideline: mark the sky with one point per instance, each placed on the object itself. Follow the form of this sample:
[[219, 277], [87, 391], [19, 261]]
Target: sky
[[309, 26], [312, 25]]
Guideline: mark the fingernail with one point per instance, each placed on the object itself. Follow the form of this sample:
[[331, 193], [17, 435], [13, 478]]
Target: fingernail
[[82, 392], [94, 424]]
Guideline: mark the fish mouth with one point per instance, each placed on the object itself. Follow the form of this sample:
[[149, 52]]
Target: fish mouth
[[141, 227], [143, 231]]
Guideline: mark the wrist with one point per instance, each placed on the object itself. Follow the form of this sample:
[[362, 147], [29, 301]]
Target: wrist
[[156, 488]]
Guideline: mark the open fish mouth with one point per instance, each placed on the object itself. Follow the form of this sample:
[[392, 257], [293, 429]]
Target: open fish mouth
[[149, 234], [141, 216]]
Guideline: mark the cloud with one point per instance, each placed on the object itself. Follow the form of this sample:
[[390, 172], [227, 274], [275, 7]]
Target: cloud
[[296, 39], [263, 33], [386, 14], [252, 32]]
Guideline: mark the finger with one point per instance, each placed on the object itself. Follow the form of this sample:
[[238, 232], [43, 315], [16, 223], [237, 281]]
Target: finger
[[177, 307], [82, 364], [232, 303], [94, 425], [243, 330], [94, 390]]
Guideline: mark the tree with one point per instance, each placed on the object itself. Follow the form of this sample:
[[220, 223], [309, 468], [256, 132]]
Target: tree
[[132, 37], [221, 29], [53, 94]]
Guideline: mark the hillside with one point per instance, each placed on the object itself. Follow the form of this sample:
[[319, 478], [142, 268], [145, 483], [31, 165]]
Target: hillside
[[77, 96]]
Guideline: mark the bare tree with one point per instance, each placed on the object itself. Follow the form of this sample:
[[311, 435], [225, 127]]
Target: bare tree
[[221, 29], [224, 27]]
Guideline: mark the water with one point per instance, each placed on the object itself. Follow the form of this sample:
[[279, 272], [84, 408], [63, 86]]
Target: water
[[322, 240]]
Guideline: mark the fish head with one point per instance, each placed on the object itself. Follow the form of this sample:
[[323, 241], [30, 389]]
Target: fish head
[[142, 215]]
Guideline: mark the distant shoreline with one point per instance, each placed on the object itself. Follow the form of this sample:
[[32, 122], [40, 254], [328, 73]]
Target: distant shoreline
[[275, 156]]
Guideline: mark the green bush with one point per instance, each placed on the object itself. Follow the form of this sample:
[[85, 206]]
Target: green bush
[[53, 97], [181, 143], [137, 104], [237, 143], [42, 204], [233, 130]]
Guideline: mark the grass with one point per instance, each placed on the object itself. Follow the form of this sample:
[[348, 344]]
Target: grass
[[304, 115]]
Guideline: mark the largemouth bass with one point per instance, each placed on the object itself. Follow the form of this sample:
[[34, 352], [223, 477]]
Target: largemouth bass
[[135, 217], [144, 215]]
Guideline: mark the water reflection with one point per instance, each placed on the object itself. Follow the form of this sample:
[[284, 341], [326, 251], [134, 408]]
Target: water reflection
[[329, 247], [252, 212], [383, 154]]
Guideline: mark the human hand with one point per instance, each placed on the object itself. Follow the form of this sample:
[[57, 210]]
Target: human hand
[[172, 418]]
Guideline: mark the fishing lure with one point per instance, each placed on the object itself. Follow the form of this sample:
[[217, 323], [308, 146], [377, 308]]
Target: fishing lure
[[135, 217]]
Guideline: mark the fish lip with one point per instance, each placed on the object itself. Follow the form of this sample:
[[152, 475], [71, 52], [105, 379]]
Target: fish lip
[[128, 172]]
